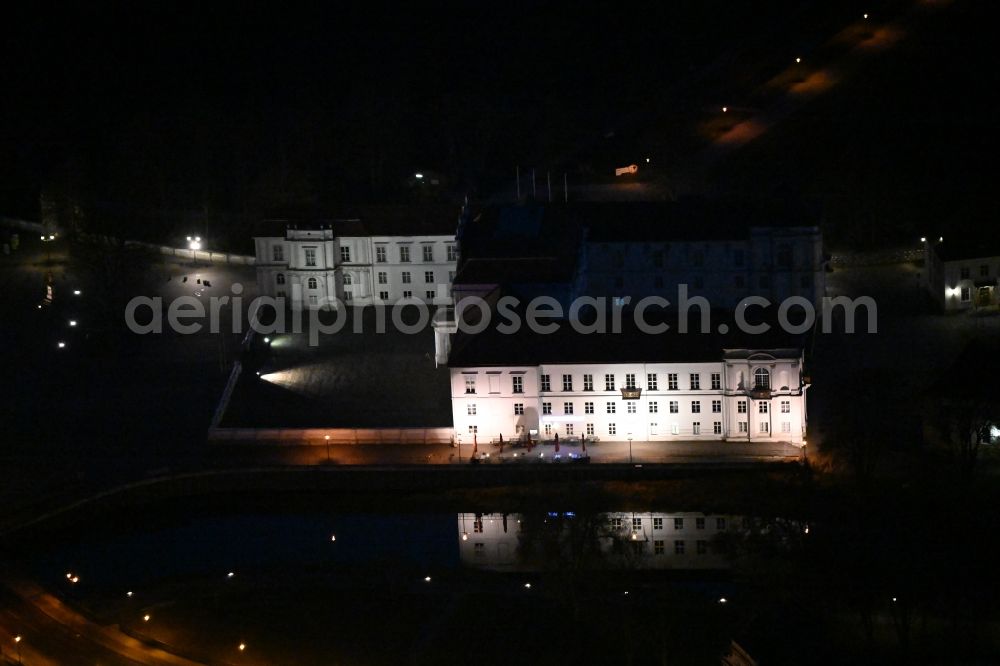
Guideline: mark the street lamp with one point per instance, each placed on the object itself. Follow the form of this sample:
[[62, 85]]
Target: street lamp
[[630, 448], [17, 642], [194, 242], [327, 438]]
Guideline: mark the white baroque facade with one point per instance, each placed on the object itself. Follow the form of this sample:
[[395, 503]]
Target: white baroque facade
[[313, 268], [745, 395]]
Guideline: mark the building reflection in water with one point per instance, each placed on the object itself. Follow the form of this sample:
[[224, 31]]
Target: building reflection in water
[[635, 540]]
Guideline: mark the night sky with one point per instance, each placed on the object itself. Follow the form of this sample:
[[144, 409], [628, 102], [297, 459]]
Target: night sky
[[235, 110]]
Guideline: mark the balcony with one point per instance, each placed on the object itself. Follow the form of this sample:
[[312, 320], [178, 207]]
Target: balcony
[[760, 392]]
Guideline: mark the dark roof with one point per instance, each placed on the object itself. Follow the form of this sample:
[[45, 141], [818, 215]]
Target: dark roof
[[966, 248], [688, 219], [515, 270], [692, 219], [567, 345], [375, 220]]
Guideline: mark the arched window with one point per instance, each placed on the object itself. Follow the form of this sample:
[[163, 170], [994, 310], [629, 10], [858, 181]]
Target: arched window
[[312, 283], [761, 378], [281, 278]]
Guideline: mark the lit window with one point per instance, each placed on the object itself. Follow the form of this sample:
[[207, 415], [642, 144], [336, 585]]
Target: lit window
[[762, 378]]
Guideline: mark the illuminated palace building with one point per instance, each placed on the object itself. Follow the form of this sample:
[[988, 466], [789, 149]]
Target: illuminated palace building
[[628, 386], [379, 256]]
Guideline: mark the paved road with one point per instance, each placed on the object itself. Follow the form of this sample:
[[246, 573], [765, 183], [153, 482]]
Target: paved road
[[440, 454], [52, 633]]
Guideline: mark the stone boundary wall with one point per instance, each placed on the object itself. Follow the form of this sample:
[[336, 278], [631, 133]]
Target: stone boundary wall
[[876, 257], [317, 436]]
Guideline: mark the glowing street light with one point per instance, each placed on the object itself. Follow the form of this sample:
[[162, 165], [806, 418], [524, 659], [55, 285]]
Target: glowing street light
[[923, 239], [798, 60], [129, 594], [145, 618], [194, 242], [333, 537], [865, 16], [527, 586], [61, 345], [418, 176], [725, 109], [722, 600], [230, 574], [72, 322], [427, 579], [242, 646], [77, 292]]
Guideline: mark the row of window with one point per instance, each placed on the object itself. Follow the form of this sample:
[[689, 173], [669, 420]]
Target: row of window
[[659, 547], [743, 427], [783, 257], [699, 523], [697, 282], [762, 380], [610, 407], [427, 254], [383, 278], [984, 271]]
